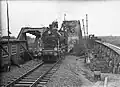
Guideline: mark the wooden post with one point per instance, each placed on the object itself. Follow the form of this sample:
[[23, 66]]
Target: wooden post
[[87, 30], [9, 54], [105, 81]]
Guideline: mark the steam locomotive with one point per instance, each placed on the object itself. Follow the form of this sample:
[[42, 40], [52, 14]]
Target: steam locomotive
[[53, 46]]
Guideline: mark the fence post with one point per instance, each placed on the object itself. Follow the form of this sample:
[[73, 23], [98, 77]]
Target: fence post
[[105, 82]]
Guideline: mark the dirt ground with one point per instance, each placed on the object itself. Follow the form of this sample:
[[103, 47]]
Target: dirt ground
[[74, 73], [71, 73]]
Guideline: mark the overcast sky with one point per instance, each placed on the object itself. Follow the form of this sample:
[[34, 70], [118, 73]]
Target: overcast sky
[[103, 16]]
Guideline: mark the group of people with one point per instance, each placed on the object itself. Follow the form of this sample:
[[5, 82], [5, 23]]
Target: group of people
[[114, 68], [88, 60]]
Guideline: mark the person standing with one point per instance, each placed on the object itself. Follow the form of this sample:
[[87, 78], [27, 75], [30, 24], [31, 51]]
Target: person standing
[[118, 68], [85, 60]]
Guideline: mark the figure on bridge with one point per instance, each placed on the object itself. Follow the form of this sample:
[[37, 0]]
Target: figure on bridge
[[118, 68], [111, 65], [97, 74]]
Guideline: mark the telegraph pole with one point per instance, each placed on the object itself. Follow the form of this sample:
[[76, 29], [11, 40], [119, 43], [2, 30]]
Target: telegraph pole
[[84, 29], [64, 16], [87, 24], [63, 24], [87, 40], [84, 34], [8, 33], [87, 37], [84, 39]]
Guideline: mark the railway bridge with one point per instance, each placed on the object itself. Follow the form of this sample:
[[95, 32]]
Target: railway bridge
[[18, 48], [37, 32], [108, 52]]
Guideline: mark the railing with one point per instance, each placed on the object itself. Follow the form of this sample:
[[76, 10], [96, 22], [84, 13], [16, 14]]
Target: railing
[[112, 52], [110, 46]]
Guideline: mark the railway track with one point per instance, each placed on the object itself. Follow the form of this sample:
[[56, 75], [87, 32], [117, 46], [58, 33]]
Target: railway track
[[36, 77]]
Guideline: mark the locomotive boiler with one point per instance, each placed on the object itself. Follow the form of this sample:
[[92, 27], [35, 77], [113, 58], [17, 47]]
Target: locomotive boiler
[[52, 42]]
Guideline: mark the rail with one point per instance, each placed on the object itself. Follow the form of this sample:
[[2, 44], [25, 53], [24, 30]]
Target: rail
[[12, 83], [37, 81], [36, 75], [110, 46]]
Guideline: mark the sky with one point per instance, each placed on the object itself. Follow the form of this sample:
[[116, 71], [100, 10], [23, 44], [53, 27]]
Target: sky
[[103, 15]]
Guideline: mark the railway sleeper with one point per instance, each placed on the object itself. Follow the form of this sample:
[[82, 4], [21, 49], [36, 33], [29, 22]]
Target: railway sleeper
[[46, 78], [35, 73], [28, 80], [21, 82], [22, 85], [49, 74], [43, 80], [31, 76], [41, 85], [31, 79], [53, 70]]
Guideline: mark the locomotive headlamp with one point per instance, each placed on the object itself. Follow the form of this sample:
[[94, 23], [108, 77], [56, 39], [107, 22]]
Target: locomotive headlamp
[[55, 48], [50, 52], [55, 54], [40, 49], [49, 32], [63, 50], [39, 54], [35, 55]]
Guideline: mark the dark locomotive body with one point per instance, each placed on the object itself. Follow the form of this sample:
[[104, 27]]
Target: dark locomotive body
[[52, 44]]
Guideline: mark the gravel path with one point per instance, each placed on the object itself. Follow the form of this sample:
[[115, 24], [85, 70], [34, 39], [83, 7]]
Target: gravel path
[[74, 73], [6, 77], [70, 74]]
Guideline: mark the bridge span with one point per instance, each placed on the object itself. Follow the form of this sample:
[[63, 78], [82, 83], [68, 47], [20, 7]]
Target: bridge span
[[110, 52]]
